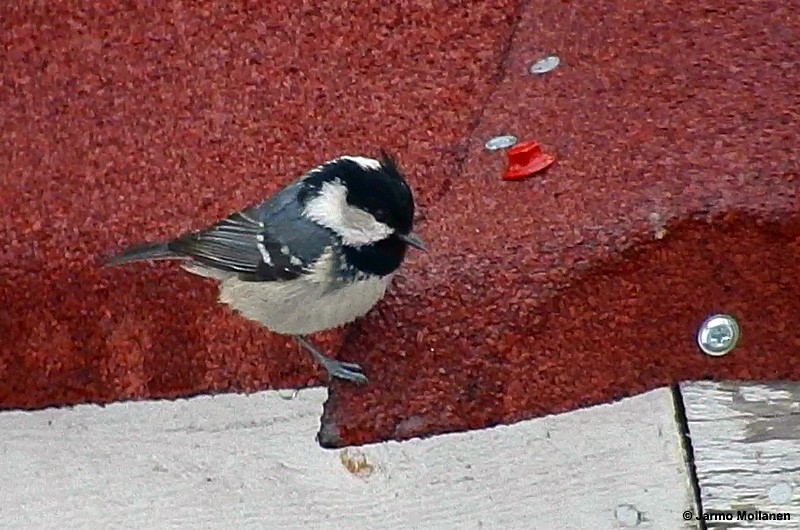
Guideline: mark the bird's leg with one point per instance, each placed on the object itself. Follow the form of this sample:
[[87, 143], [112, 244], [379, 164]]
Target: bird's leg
[[342, 370]]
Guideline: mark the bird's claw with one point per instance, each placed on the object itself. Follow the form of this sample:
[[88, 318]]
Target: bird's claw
[[339, 369], [342, 370]]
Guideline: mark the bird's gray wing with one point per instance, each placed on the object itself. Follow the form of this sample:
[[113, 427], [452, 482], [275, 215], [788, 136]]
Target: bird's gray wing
[[268, 242]]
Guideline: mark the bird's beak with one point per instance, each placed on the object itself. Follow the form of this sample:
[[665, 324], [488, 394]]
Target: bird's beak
[[413, 240]]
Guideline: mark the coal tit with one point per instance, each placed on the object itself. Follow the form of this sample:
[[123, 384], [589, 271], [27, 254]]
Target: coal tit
[[318, 254]]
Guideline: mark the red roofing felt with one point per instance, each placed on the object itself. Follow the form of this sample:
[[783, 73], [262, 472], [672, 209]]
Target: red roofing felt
[[674, 195]]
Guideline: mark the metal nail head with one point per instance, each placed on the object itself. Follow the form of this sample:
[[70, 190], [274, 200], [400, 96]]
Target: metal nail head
[[544, 65], [718, 335], [500, 142]]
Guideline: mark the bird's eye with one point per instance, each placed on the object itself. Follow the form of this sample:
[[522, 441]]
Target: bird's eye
[[381, 215]]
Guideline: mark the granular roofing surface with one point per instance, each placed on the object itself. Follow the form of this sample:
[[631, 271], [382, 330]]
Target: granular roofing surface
[[674, 195]]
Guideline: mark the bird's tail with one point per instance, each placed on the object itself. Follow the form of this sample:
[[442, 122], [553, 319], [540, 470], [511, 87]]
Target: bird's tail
[[143, 252]]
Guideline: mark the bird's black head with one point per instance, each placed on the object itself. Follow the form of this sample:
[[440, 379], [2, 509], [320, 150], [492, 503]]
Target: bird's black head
[[383, 192], [362, 200]]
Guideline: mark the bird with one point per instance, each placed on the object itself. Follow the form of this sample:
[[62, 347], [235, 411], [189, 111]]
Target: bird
[[316, 255]]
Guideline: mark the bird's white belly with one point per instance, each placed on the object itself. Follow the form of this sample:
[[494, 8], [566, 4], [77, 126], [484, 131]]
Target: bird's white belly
[[304, 306]]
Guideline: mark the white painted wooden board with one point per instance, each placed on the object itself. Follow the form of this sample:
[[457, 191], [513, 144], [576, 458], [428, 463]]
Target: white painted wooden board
[[240, 462], [746, 441]]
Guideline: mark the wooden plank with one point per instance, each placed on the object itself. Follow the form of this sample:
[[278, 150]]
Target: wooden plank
[[746, 441], [235, 461]]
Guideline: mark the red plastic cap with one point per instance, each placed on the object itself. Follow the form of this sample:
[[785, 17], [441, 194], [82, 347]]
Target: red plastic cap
[[525, 159]]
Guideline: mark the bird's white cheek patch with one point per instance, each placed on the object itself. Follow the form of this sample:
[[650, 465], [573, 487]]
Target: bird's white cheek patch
[[361, 228], [355, 226]]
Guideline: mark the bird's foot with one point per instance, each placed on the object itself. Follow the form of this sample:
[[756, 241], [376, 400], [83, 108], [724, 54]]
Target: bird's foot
[[339, 369]]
